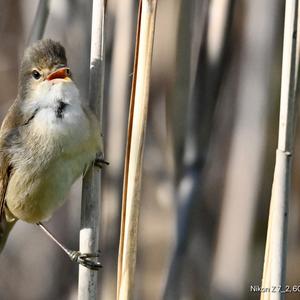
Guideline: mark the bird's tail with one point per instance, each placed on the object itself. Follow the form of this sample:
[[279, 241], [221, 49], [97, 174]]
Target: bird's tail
[[5, 228]]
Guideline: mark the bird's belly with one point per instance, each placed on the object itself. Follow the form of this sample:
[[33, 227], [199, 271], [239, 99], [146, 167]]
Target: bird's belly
[[44, 174], [34, 197]]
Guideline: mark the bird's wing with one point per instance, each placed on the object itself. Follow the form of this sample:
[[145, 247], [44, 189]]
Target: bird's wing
[[4, 179], [9, 125]]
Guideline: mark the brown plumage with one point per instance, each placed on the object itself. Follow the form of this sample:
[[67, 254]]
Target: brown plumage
[[10, 123]]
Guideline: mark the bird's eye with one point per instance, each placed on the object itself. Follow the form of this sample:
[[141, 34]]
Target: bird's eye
[[68, 72], [36, 74]]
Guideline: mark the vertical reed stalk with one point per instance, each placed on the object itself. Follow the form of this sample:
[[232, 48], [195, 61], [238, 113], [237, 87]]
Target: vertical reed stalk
[[276, 245], [134, 149], [40, 21], [89, 232]]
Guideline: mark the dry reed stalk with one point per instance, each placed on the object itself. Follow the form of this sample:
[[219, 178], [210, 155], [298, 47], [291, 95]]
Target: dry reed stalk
[[90, 205], [276, 244], [134, 149]]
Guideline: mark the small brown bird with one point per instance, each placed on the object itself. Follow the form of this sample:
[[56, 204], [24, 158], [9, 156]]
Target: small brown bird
[[47, 140]]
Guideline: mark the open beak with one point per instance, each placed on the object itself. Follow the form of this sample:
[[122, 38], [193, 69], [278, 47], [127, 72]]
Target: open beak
[[62, 73]]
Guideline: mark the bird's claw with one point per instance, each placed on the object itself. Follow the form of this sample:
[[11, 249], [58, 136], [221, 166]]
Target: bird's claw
[[100, 162], [86, 259]]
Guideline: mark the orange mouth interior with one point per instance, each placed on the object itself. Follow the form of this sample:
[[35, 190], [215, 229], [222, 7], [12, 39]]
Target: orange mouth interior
[[61, 73]]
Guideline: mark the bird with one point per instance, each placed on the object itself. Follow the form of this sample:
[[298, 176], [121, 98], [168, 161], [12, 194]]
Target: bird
[[48, 138]]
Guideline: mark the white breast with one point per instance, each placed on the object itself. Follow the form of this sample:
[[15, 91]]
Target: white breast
[[70, 130]]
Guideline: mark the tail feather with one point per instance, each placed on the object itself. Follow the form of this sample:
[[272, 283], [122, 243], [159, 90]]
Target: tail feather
[[5, 228]]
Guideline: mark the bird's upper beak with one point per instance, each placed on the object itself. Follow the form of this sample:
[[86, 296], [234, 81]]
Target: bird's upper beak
[[62, 73]]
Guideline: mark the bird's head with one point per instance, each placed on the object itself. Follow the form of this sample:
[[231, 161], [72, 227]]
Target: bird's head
[[43, 64]]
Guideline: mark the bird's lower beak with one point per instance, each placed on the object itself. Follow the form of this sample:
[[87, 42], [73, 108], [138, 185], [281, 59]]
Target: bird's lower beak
[[62, 73]]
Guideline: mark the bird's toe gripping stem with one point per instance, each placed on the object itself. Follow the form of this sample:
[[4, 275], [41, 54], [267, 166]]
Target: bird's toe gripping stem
[[100, 161], [86, 259]]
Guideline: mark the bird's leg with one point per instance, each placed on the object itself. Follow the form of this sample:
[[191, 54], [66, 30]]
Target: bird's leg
[[100, 161], [84, 259]]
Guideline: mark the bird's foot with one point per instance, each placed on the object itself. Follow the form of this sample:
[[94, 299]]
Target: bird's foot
[[86, 259], [100, 162]]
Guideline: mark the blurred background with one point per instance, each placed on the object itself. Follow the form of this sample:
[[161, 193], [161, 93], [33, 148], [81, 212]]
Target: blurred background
[[209, 154]]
